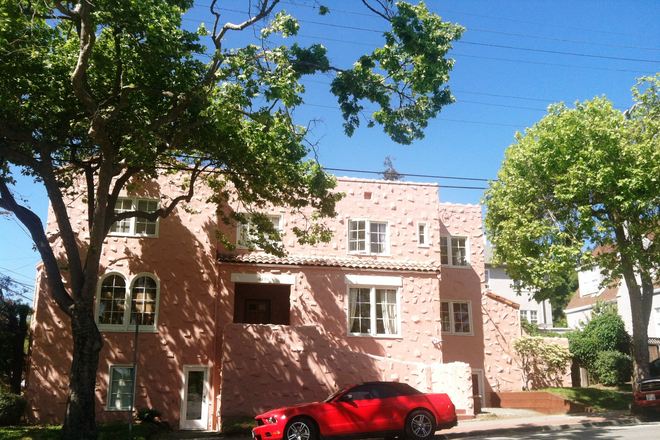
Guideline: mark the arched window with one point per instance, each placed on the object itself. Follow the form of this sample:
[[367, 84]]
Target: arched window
[[144, 294], [119, 307]]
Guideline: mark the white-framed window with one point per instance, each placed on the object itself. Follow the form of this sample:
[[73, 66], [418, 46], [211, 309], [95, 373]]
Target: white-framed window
[[589, 281], [422, 235], [487, 278], [374, 306], [120, 388], [657, 316], [531, 316], [454, 251], [137, 227], [120, 304], [246, 233], [456, 317], [368, 237]]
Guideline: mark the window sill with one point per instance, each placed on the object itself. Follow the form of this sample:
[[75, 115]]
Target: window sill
[[367, 335], [457, 334], [118, 234]]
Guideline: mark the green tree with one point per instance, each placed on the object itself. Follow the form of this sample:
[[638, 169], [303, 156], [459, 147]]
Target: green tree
[[113, 91], [587, 176], [542, 364], [604, 332], [13, 333]]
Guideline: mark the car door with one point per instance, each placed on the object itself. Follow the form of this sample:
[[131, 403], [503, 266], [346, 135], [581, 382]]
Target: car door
[[366, 408]]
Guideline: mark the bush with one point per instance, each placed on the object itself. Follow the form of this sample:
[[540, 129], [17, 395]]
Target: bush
[[12, 407], [148, 415], [605, 331], [543, 364], [613, 367]]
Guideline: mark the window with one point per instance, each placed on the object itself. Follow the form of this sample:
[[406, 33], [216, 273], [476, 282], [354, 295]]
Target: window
[[246, 233], [589, 281], [422, 235], [367, 237], [456, 317], [487, 279], [119, 308], [531, 316], [135, 226], [453, 251], [373, 311], [120, 388]]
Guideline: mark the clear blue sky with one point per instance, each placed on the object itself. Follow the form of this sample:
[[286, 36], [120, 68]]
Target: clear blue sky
[[515, 58]]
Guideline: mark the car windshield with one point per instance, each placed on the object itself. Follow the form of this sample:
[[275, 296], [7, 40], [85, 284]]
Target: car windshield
[[334, 395]]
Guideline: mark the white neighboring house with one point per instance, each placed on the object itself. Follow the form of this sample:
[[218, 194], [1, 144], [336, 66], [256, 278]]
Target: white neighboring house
[[498, 282], [589, 292]]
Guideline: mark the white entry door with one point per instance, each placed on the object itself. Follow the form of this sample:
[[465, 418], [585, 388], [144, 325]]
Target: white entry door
[[195, 404]]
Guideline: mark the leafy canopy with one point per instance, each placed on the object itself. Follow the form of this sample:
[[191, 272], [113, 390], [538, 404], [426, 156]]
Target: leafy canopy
[[574, 181]]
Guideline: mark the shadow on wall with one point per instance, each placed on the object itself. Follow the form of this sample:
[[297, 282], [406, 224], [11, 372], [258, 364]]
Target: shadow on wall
[[268, 366], [182, 257]]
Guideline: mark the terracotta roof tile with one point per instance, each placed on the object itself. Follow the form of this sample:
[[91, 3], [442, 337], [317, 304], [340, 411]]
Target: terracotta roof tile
[[351, 262], [502, 299]]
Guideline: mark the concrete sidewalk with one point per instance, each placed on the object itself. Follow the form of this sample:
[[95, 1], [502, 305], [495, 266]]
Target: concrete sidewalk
[[492, 422], [498, 421]]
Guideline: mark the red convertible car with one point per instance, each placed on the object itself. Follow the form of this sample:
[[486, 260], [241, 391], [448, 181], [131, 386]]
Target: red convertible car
[[372, 409]]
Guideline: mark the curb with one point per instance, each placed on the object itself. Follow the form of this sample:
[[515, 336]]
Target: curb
[[539, 428]]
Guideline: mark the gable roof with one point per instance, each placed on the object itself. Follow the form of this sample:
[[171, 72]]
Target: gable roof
[[607, 295]]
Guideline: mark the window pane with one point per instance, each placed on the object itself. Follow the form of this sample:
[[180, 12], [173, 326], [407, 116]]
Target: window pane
[[445, 317], [144, 226], [113, 300], [121, 388], [357, 235], [421, 233], [444, 251], [461, 318], [122, 226], [386, 312], [143, 310], [359, 310], [378, 237], [459, 252]]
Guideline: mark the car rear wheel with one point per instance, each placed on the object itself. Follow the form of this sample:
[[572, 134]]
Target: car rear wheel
[[420, 425], [301, 429]]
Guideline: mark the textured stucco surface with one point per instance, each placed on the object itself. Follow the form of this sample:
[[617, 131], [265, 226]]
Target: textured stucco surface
[[196, 310]]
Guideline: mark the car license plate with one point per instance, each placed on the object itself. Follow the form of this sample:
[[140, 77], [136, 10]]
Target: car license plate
[[650, 397]]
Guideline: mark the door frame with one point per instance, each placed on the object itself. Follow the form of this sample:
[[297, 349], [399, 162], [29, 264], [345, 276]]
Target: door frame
[[201, 424], [480, 382]]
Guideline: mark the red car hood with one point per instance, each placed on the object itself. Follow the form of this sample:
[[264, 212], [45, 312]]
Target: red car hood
[[286, 409]]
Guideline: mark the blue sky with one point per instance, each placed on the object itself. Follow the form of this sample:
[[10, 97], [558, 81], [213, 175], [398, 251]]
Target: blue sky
[[515, 59]]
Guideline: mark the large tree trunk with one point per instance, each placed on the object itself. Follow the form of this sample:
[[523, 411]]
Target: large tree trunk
[[80, 418], [640, 307]]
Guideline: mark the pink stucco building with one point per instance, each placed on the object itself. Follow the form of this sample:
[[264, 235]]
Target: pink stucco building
[[398, 294]]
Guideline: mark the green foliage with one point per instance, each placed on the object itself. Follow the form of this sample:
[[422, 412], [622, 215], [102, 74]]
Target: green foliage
[[13, 336], [543, 364], [114, 92], [604, 332], [12, 407], [580, 177], [148, 415], [613, 367]]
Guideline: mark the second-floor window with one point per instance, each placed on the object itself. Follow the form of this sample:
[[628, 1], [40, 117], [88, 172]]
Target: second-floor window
[[456, 317], [120, 305], [135, 226], [368, 237], [453, 251], [373, 311], [247, 235]]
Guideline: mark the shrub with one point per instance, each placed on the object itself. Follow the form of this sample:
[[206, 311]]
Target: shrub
[[605, 331], [12, 407], [148, 415], [543, 364], [613, 367]]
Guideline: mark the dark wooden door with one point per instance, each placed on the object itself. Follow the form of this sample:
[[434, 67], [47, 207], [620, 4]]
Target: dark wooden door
[[257, 311]]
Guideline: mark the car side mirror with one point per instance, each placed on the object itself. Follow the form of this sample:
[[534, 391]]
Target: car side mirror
[[346, 398]]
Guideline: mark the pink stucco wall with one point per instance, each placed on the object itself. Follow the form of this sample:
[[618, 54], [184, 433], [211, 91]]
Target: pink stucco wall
[[196, 309], [265, 367]]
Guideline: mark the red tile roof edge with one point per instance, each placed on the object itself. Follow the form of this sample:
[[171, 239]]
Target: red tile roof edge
[[502, 299], [357, 263]]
